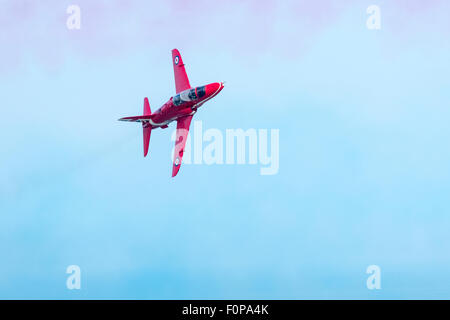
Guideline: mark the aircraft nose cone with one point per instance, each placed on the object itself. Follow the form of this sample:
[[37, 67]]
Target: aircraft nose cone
[[213, 88]]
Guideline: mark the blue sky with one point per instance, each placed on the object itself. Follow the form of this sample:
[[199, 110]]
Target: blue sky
[[364, 152]]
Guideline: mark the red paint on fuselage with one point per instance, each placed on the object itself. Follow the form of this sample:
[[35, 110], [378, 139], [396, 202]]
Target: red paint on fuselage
[[185, 103], [180, 108]]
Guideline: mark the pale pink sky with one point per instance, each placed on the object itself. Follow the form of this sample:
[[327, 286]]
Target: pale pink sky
[[38, 29]]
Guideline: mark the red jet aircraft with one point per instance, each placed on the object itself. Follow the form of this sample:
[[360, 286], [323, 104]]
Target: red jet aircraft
[[181, 107]]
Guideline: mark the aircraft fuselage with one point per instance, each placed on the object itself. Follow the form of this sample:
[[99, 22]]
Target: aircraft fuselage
[[183, 104]]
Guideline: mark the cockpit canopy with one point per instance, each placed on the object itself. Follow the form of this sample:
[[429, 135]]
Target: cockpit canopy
[[189, 95]]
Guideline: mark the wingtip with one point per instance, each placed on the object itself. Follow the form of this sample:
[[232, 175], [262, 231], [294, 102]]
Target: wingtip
[[175, 170]]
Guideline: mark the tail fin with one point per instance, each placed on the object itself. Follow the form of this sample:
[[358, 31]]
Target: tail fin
[[147, 110], [146, 126]]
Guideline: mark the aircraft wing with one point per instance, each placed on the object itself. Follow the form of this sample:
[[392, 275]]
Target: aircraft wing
[[183, 125], [181, 78]]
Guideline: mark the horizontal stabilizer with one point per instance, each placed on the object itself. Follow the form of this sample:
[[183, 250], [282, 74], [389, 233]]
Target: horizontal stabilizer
[[136, 118]]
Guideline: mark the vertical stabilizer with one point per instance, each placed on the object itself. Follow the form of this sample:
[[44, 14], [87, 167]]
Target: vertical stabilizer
[[146, 126], [147, 110]]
